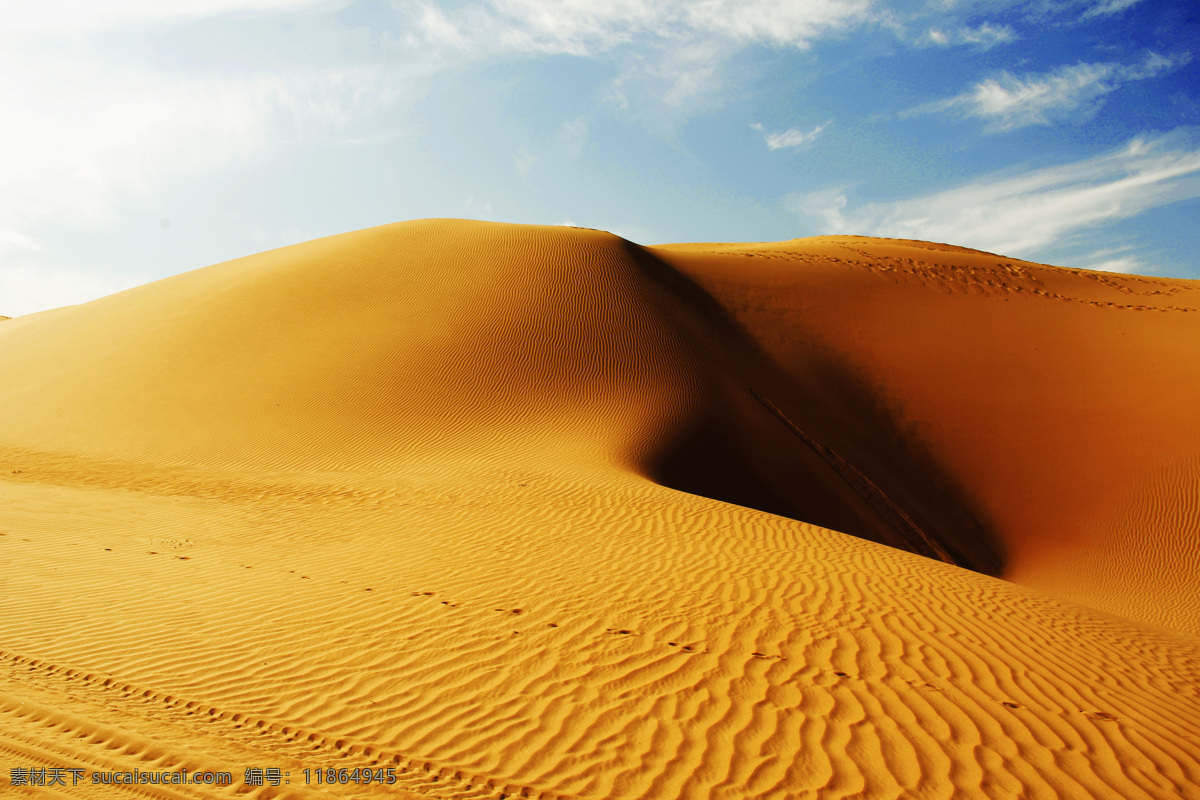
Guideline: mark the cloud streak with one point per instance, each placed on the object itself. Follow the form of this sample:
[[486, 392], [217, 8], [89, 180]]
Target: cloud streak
[[1008, 102], [41, 16], [985, 36], [671, 51], [90, 121], [28, 287], [1106, 8], [76, 143], [583, 27], [793, 137], [92, 124], [1024, 214]]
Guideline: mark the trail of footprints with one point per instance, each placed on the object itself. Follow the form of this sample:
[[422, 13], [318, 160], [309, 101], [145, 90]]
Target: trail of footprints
[[314, 749], [273, 739], [917, 685], [1099, 716], [699, 648], [1004, 277]]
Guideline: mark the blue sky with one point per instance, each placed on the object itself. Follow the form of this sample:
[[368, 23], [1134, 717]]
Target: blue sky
[[145, 139]]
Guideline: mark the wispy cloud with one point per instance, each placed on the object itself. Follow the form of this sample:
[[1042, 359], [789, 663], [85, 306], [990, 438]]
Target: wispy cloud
[[82, 132], [670, 52], [793, 137], [92, 124], [573, 136], [60, 15], [478, 209], [1105, 8], [583, 27], [90, 121], [15, 241], [1129, 264], [1025, 213], [28, 287], [523, 160], [775, 21], [984, 36], [1041, 11], [1007, 102]]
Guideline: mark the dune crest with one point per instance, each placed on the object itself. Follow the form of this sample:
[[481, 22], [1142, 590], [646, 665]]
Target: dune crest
[[535, 511]]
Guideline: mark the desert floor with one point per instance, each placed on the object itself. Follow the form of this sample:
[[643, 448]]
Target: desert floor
[[523, 511]]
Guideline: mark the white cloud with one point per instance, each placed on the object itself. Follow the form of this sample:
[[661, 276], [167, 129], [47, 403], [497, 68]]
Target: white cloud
[[937, 36], [92, 124], [573, 136], [1106, 8], [478, 209], [1112, 259], [585, 27], [72, 143], [793, 137], [1128, 264], [1009, 102], [83, 129], [688, 72], [27, 287], [14, 240], [1023, 214], [826, 205], [775, 21], [1035, 12], [39, 16], [671, 52], [985, 36], [524, 161]]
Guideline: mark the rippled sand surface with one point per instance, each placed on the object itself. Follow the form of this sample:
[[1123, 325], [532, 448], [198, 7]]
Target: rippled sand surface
[[521, 511]]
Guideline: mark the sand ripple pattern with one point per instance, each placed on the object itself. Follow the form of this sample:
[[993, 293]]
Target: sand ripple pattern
[[625, 643], [396, 499]]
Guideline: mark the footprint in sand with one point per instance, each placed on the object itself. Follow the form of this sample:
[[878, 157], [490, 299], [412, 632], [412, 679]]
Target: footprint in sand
[[1102, 716]]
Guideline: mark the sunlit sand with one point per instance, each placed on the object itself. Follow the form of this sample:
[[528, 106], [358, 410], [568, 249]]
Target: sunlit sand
[[522, 511]]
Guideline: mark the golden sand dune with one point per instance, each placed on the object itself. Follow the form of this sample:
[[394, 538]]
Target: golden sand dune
[[534, 511]]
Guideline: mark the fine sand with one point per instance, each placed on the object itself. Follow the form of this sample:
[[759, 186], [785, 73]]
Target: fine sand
[[525, 511]]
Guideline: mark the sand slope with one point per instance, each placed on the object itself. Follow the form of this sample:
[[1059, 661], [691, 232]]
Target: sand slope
[[1062, 402], [535, 511]]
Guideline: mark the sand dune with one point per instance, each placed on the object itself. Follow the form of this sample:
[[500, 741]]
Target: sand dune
[[535, 511]]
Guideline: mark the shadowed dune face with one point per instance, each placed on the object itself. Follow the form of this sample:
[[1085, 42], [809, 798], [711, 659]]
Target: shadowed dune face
[[535, 511], [1047, 395], [806, 439]]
